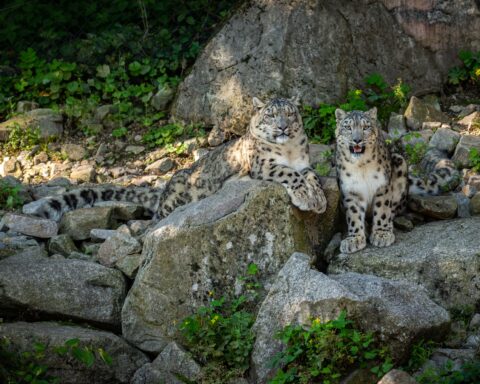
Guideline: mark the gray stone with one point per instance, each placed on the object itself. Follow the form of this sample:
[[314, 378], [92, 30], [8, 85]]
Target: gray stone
[[48, 122], [116, 247], [418, 112], [171, 363], [396, 125], [264, 50], [83, 173], [125, 359], [463, 205], [445, 140], [396, 376], [42, 157], [208, 245], [130, 264], [62, 244], [18, 242], [79, 256], [138, 227], [399, 312], [135, 149], [73, 152], [30, 226], [69, 288], [437, 207], [103, 111], [475, 204], [101, 235], [199, 153], [475, 322], [442, 356], [161, 166], [26, 106], [462, 151], [123, 210], [470, 122], [80, 222], [412, 138], [162, 98], [319, 153], [442, 256], [403, 223]]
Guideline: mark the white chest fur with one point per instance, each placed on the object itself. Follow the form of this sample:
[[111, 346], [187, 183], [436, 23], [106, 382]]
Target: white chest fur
[[363, 180]]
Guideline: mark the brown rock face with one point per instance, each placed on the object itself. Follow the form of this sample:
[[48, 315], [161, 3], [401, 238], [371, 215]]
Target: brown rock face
[[320, 49]]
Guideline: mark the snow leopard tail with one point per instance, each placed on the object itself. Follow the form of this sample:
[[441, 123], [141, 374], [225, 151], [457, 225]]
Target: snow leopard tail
[[54, 207], [436, 174]]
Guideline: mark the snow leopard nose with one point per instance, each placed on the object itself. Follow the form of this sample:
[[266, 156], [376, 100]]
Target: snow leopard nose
[[282, 123], [357, 140]]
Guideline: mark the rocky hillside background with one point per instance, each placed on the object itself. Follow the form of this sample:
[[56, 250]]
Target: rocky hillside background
[[240, 287]]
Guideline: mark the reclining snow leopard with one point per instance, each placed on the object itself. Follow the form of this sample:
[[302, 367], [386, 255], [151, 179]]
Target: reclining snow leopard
[[374, 182], [275, 148]]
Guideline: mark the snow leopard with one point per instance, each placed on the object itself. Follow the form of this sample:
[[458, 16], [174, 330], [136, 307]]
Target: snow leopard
[[275, 148], [375, 181]]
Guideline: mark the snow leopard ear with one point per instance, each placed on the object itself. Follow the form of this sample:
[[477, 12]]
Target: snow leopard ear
[[257, 103], [340, 114], [372, 113], [295, 100]]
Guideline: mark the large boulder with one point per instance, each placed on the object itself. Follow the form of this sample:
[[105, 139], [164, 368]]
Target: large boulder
[[62, 287], [48, 122], [319, 50], [125, 359], [442, 256], [398, 312], [169, 365], [207, 246]]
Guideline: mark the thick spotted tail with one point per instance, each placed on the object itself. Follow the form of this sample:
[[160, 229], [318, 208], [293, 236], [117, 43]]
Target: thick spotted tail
[[436, 174], [55, 206]]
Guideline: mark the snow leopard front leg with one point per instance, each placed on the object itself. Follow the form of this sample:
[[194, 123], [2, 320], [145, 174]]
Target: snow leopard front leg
[[382, 222], [302, 194], [355, 206]]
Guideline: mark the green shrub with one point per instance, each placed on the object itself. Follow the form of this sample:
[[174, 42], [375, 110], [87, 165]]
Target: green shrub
[[421, 352], [469, 373], [27, 367], [325, 352], [474, 157], [220, 336], [9, 195], [320, 122], [469, 72], [22, 138]]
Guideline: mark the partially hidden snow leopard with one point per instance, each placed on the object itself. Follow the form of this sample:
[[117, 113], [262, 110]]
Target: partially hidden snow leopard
[[374, 182], [275, 148]]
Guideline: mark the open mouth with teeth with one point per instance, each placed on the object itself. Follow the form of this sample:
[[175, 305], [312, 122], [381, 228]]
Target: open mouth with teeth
[[357, 149]]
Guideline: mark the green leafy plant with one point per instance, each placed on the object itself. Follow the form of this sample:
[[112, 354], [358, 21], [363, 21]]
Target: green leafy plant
[[415, 150], [325, 352], [421, 352], [468, 72], [9, 195], [28, 367], [22, 138], [468, 374], [320, 122], [219, 334], [474, 157]]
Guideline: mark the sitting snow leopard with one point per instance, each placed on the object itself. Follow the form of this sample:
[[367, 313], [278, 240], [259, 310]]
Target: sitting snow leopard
[[275, 148], [374, 182]]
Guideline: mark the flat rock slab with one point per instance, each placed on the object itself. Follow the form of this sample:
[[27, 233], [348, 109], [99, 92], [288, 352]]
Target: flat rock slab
[[442, 256], [437, 207], [398, 312], [125, 359], [69, 288], [30, 226], [208, 245], [80, 222]]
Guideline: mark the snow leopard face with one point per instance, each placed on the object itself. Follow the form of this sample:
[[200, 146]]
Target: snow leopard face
[[356, 131], [277, 121]]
